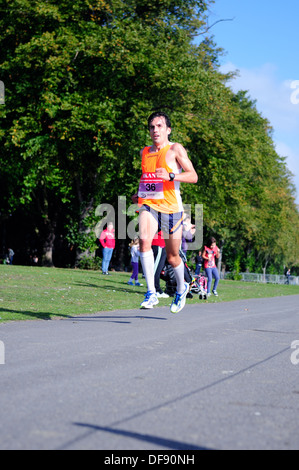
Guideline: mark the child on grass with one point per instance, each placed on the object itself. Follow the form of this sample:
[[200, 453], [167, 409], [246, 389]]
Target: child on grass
[[134, 248]]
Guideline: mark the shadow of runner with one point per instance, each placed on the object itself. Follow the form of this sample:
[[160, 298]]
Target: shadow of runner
[[33, 315], [158, 441], [168, 443], [114, 318]]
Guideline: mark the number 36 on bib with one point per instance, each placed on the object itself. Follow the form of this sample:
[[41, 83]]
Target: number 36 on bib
[[150, 187]]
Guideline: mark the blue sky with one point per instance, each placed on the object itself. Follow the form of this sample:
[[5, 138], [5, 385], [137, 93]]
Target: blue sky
[[262, 42]]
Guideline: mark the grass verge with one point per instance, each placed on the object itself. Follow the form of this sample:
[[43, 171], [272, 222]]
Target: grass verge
[[48, 293]]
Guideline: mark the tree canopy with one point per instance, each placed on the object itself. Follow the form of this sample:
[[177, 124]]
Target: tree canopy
[[81, 79]]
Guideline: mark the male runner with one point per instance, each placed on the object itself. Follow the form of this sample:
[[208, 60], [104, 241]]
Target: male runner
[[164, 166]]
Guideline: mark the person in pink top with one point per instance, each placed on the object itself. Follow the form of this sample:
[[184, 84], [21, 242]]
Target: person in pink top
[[107, 240], [211, 251]]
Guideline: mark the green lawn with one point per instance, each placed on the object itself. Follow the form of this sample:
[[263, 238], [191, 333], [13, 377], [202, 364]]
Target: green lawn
[[47, 293]]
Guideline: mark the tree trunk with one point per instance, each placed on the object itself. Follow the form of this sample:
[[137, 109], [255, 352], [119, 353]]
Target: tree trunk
[[264, 271], [121, 254], [86, 207], [220, 256], [48, 245]]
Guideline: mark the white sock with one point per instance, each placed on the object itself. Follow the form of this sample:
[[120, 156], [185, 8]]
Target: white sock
[[179, 275], [148, 263]]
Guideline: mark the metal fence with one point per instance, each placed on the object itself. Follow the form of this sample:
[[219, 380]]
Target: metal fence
[[264, 278]]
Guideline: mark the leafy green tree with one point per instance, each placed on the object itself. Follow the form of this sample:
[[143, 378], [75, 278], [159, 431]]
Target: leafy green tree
[[81, 79], [78, 78]]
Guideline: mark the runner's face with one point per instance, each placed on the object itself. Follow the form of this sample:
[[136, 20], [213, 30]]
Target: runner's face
[[159, 131]]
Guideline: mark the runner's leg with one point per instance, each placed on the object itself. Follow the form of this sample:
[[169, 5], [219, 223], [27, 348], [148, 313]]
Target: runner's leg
[[173, 243], [148, 227]]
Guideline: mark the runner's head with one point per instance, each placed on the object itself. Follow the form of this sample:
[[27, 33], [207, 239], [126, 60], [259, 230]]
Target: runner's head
[[159, 114], [159, 128]]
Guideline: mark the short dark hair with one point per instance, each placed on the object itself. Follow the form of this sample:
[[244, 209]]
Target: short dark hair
[[159, 114], [211, 241]]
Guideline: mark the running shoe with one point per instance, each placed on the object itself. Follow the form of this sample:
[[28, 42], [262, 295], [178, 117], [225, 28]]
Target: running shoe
[[138, 284], [150, 300], [179, 300], [215, 293], [130, 283], [162, 295]]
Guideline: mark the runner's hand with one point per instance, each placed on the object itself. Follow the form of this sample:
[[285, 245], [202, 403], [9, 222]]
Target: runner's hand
[[162, 174]]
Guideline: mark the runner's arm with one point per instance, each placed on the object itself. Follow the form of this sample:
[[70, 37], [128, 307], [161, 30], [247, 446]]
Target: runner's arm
[[188, 174]]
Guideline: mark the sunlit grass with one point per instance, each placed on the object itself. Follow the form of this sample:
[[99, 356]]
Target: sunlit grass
[[47, 293]]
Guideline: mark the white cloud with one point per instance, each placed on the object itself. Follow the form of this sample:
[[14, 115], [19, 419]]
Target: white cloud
[[274, 97], [276, 101]]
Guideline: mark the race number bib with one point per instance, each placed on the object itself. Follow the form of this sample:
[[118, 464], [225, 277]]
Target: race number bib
[[150, 187]]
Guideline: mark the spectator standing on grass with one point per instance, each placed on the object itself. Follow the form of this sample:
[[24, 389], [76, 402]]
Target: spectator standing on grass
[[135, 253], [107, 240], [11, 254], [159, 250], [288, 275], [211, 251], [198, 261]]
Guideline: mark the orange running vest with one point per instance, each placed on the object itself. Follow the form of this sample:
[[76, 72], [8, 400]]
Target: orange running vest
[[162, 196]]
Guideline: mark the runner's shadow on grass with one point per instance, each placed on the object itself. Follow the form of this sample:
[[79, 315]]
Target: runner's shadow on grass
[[122, 288], [33, 315]]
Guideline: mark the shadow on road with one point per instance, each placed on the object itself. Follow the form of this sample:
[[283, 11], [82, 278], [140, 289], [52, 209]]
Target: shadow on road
[[155, 440], [32, 314]]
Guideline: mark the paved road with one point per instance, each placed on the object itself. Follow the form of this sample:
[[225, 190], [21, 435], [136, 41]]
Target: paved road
[[215, 376]]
